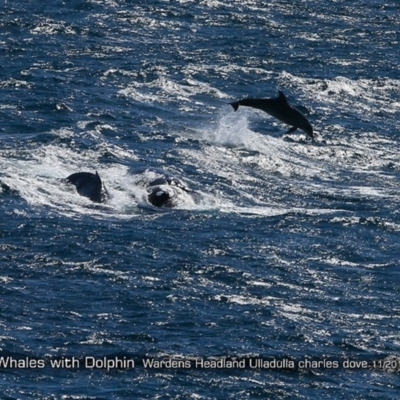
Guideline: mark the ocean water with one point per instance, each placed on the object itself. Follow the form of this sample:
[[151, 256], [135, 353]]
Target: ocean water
[[292, 252]]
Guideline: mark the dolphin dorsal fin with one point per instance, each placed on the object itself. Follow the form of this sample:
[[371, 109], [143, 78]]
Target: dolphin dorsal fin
[[282, 97]]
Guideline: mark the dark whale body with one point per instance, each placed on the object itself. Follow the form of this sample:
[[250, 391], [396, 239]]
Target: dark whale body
[[280, 109], [88, 185], [162, 188]]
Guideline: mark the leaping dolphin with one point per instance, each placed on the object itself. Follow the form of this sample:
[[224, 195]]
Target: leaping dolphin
[[280, 109]]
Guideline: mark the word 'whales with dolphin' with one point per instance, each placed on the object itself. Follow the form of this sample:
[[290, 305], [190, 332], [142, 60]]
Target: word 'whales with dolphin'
[[280, 109], [163, 189]]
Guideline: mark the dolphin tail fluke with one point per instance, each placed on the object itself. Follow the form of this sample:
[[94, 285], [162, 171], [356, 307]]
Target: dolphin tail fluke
[[235, 105]]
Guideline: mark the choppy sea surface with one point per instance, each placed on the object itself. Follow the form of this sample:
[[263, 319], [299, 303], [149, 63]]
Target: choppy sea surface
[[291, 254]]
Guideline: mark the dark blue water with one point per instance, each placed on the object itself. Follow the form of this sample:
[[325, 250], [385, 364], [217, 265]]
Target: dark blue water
[[292, 253]]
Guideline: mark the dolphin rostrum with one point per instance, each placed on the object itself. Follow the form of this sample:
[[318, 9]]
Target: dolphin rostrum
[[280, 109]]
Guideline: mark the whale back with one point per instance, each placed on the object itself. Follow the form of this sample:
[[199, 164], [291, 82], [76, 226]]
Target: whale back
[[88, 185], [162, 196], [163, 190]]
